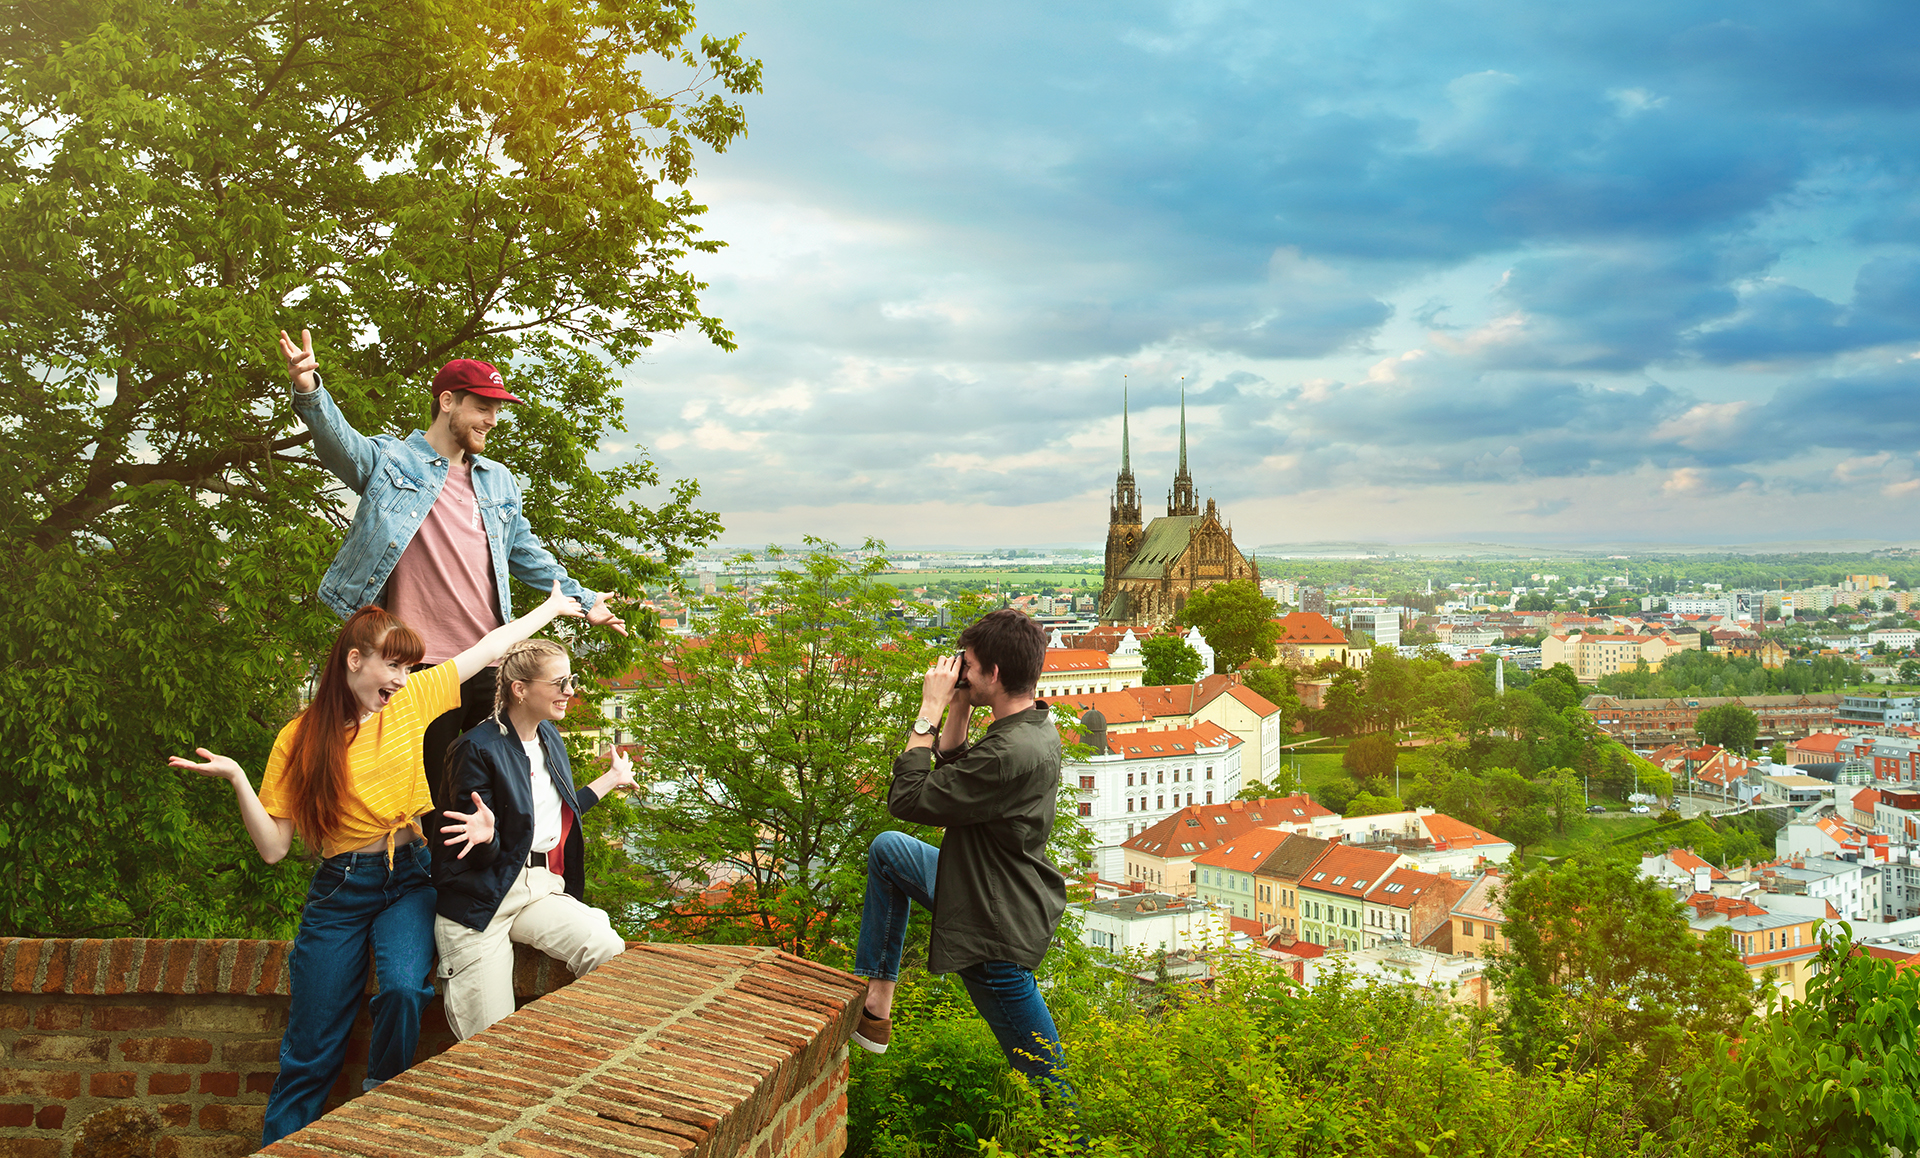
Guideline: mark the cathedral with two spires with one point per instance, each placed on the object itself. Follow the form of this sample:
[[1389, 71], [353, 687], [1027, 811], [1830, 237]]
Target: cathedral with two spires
[[1152, 570]]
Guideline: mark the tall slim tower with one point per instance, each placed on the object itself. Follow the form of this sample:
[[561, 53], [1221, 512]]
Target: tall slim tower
[[1123, 519], [1182, 501]]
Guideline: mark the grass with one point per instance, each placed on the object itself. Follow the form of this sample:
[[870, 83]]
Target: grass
[[1593, 834]]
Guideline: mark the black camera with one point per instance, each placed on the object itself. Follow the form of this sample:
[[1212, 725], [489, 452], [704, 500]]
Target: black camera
[[963, 682]]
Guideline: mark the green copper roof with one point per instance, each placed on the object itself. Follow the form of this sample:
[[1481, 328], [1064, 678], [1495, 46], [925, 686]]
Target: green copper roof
[[1165, 539]]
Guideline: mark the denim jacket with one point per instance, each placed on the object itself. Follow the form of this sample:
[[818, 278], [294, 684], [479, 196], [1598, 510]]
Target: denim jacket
[[398, 481]]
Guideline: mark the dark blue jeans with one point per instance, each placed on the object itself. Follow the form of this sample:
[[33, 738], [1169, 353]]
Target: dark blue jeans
[[354, 900], [900, 871]]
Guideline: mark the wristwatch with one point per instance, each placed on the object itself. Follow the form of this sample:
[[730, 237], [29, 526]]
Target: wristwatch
[[924, 727]]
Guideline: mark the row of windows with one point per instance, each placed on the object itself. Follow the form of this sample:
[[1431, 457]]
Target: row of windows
[[1160, 805], [1160, 777]]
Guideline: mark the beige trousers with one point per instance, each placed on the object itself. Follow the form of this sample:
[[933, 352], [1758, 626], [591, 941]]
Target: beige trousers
[[477, 964]]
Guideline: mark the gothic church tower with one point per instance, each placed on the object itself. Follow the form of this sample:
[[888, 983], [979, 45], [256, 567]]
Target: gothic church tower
[[1123, 519], [1182, 501]]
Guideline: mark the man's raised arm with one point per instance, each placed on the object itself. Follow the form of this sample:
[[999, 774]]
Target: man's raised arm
[[342, 449]]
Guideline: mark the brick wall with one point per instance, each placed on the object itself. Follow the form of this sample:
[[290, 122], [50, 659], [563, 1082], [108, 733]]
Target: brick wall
[[166, 1049]]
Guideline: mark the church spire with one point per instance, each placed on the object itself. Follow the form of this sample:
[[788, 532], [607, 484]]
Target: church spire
[[1182, 500], [1126, 495]]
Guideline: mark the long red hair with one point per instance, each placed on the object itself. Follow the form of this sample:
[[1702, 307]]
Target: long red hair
[[317, 755]]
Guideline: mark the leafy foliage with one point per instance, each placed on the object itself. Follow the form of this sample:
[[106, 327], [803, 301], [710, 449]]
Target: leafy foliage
[[1729, 726], [1702, 673], [1169, 660], [1601, 968], [777, 728], [1834, 1074], [177, 183], [1236, 621]]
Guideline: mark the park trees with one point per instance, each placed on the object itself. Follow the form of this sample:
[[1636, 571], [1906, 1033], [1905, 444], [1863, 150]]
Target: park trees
[[1236, 620], [494, 179], [1169, 660], [1728, 726]]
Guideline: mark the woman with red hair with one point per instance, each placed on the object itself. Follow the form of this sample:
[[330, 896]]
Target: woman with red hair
[[346, 774]]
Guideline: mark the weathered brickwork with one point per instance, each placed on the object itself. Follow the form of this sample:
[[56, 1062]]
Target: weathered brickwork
[[166, 1049]]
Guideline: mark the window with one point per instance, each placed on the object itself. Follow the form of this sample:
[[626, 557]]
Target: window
[[1086, 808], [1161, 802], [1129, 779], [1466, 927], [1158, 748], [1189, 798], [1161, 776], [1129, 804], [1086, 784], [1209, 771], [1486, 930], [1186, 847], [1192, 823], [1209, 798]]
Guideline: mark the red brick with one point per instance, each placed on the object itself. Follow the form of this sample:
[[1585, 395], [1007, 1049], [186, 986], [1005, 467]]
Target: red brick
[[14, 1015], [180, 955], [261, 1083], [16, 1114], [206, 973], [56, 956], [153, 964], [273, 969], [86, 967], [115, 1085], [40, 1083], [174, 1050], [220, 1085], [60, 1015], [119, 1018], [120, 965], [26, 964], [30, 1147], [261, 1051], [177, 1114], [46, 1047], [231, 1119], [51, 1117], [169, 1083]]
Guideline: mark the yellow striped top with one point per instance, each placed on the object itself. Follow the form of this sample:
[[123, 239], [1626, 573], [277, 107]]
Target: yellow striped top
[[386, 783]]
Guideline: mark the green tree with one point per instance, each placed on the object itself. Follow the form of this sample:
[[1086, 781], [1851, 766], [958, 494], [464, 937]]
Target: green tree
[[1729, 726], [776, 729], [1236, 621], [1601, 967], [182, 181], [1834, 1074], [1370, 757], [1169, 660], [1275, 684]]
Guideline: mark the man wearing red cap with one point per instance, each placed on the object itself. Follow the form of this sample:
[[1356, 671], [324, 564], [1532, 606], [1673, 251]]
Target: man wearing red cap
[[438, 528]]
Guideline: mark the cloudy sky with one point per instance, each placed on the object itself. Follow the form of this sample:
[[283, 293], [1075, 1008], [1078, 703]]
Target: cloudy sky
[[1532, 272]]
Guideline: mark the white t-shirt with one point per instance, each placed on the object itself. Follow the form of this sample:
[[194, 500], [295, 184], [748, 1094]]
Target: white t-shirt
[[546, 801]]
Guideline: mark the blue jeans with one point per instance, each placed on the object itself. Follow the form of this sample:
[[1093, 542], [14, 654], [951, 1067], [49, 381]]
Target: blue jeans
[[354, 899], [900, 871]]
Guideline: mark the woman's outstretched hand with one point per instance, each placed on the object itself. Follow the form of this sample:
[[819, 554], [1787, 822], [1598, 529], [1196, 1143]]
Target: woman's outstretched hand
[[471, 828], [222, 766]]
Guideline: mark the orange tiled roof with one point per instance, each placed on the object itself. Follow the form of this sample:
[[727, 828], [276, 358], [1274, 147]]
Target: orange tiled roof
[[1345, 870], [1199, 827], [1309, 627], [1245, 852], [1448, 833], [1074, 659], [1412, 884]]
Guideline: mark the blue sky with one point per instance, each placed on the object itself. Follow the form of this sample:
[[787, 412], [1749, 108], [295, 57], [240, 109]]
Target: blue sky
[[1519, 271]]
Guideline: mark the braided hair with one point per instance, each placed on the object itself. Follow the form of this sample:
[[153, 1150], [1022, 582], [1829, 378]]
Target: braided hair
[[522, 661]]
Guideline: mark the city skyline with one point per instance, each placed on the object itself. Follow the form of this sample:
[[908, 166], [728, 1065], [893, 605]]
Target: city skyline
[[1645, 274]]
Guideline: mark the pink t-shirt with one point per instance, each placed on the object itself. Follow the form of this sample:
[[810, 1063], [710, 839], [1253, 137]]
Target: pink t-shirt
[[442, 587]]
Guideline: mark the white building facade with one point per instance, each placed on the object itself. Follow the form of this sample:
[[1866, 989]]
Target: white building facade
[[1145, 777]]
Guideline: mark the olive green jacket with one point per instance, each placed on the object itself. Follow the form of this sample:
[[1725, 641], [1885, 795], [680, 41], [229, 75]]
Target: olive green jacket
[[996, 895]]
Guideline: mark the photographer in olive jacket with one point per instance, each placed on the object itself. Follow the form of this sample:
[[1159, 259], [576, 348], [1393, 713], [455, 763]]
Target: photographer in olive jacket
[[995, 897]]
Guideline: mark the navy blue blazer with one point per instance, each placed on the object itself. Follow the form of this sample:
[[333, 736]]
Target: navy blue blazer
[[493, 763]]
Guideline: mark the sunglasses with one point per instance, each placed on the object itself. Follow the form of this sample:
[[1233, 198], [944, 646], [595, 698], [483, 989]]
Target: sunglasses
[[565, 685]]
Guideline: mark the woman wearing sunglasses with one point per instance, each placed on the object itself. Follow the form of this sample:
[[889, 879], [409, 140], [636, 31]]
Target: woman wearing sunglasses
[[510, 870]]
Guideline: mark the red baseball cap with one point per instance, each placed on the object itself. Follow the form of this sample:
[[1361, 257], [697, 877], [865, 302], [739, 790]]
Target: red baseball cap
[[472, 376]]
